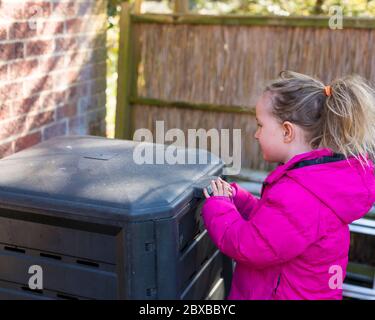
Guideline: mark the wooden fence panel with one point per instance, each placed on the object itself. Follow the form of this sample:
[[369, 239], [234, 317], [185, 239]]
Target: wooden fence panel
[[215, 68]]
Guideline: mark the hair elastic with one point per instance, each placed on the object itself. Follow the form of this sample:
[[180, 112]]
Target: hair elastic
[[328, 91]]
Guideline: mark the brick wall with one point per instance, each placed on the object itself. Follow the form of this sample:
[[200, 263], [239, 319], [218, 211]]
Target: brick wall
[[52, 70]]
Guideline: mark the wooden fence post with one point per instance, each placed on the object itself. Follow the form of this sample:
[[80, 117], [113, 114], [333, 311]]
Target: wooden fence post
[[123, 112], [181, 6], [137, 6]]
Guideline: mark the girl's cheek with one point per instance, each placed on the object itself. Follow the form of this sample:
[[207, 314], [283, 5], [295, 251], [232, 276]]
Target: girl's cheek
[[257, 132]]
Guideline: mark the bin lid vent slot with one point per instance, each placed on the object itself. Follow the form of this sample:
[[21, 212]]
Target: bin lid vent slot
[[100, 156]]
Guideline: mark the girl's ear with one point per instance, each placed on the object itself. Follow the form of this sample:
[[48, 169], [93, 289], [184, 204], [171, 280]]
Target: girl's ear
[[288, 131]]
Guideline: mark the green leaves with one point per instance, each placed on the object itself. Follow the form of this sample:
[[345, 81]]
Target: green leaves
[[114, 7]]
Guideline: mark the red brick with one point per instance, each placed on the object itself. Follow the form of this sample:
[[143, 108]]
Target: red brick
[[5, 110], [53, 100], [34, 86], [66, 44], [66, 79], [59, 97], [98, 86], [10, 91], [99, 55], [11, 127], [23, 68], [87, 73], [26, 106], [38, 102], [102, 99], [39, 47], [3, 31], [72, 93], [27, 141], [77, 125], [84, 89], [86, 8], [95, 123], [10, 51], [67, 111], [100, 40], [78, 59], [51, 64], [97, 41], [66, 9], [40, 120], [4, 72], [75, 26], [100, 70], [83, 104], [49, 100], [6, 149], [21, 30], [11, 10], [77, 92], [94, 24], [94, 102], [51, 28], [57, 129], [37, 9]]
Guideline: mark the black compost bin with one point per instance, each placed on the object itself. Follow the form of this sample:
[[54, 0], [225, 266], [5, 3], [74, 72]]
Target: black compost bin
[[101, 226]]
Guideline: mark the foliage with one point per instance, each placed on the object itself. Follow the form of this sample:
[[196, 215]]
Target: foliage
[[270, 7], [113, 7], [305, 7]]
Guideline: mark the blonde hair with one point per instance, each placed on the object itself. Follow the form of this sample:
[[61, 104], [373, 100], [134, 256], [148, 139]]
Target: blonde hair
[[344, 121]]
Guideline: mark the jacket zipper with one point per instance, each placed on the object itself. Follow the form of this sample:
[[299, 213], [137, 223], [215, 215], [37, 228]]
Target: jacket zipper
[[263, 187], [278, 282]]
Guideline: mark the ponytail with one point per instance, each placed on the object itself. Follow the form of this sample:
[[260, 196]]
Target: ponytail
[[349, 114]]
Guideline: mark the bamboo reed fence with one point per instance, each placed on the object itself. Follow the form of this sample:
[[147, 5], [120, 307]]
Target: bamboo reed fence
[[195, 71]]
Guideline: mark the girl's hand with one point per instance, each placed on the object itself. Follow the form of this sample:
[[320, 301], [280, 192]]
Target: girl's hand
[[220, 188]]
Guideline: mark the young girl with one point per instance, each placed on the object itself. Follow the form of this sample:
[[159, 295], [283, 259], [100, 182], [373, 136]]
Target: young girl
[[293, 242]]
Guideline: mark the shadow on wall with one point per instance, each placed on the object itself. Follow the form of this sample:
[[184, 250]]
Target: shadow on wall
[[52, 71]]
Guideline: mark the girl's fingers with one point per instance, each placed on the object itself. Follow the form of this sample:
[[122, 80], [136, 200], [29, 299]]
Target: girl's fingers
[[206, 193], [228, 189], [229, 192], [225, 183], [220, 188], [214, 188]]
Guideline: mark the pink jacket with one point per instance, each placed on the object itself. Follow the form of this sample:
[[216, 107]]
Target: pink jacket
[[289, 243]]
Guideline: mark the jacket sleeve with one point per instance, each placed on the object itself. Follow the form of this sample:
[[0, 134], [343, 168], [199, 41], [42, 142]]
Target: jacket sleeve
[[279, 230], [243, 200]]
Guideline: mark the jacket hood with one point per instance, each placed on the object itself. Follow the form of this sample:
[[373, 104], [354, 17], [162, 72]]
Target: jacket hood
[[345, 186]]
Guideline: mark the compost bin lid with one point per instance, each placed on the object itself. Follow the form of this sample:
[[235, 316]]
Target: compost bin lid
[[94, 172]]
